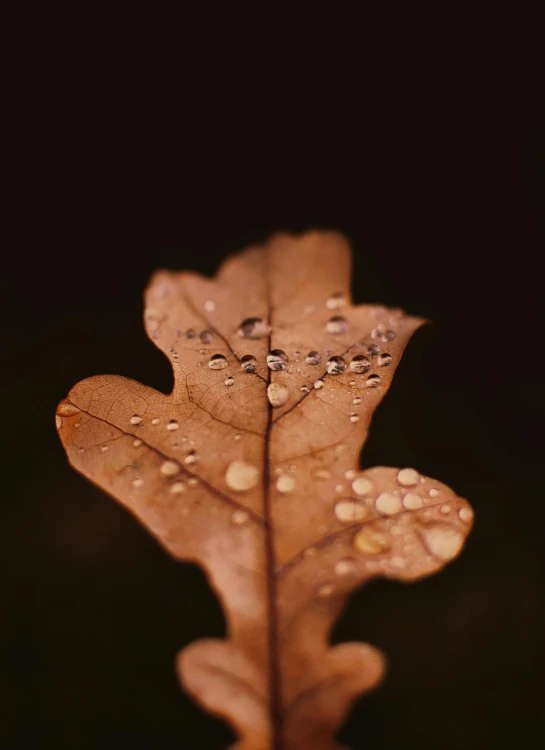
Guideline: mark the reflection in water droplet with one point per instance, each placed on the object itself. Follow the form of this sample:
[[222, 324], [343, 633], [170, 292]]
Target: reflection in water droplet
[[466, 514], [191, 458], [285, 483], [248, 363], [372, 381], [177, 488], [344, 567], [209, 305], [314, 358], [384, 359], [277, 360], [172, 425], [277, 394], [442, 541], [371, 541], [412, 501], [318, 384], [169, 468], [254, 328], [360, 364], [325, 590], [137, 482], [362, 486], [136, 419], [337, 325], [350, 510], [239, 517], [335, 301], [336, 366], [205, 337], [407, 477], [373, 349], [241, 476], [388, 503], [354, 417], [229, 381], [217, 362]]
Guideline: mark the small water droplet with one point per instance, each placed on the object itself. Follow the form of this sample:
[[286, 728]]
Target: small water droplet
[[305, 388], [318, 384], [433, 492], [238, 437], [309, 552], [372, 381], [217, 362], [313, 358], [239, 517], [350, 510], [193, 482], [277, 360], [466, 514], [384, 359], [344, 567], [362, 486], [407, 477], [66, 409], [136, 419], [371, 542], [177, 488], [354, 417], [155, 420], [356, 401], [137, 482], [325, 590], [397, 561], [248, 363], [388, 503], [172, 425], [229, 381], [285, 483], [191, 333], [58, 421], [241, 476], [137, 443], [445, 510], [337, 325], [205, 337], [373, 349], [191, 458], [277, 394], [336, 301], [383, 335], [254, 328], [339, 489], [442, 541], [412, 501], [350, 474], [169, 468], [360, 364], [104, 448], [336, 366], [209, 305], [322, 474]]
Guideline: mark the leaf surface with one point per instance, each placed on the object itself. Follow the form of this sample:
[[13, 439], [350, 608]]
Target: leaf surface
[[250, 469]]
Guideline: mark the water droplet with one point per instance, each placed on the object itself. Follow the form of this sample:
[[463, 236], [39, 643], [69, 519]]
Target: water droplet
[[335, 301], [314, 358], [254, 328], [238, 437], [137, 482], [66, 409], [136, 419], [322, 474], [344, 567], [285, 483], [412, 501], [241, 476], [191, 333], [373, 349], [248, 363], [177, 488], [350, 474], [388, 503], [217, 362], [362, 486], [155, 420], [193, 482], [229, 381], [104, 448], [337, 325], [305, 388], [433, 492], [356, 401], [371, 542], [58, 421], [191, 458], [360, 364], [382, 335], [373, 381], [239, 517], [442, 541], [350, 510], [384, 359], [354, 417], [209, 305], [397, 561], [325, 590], [169, 468], [466, 514], [205, 337], [277, 394], [137, 443], [172, 424], [407, 477], [277, 360], [445, 510], [318, 384], [335, 366]]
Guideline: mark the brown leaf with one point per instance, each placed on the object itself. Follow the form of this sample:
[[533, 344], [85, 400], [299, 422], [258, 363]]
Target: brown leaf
[[252, 471]]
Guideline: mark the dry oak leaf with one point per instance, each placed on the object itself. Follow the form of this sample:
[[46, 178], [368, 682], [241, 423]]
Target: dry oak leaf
[[250, 469]]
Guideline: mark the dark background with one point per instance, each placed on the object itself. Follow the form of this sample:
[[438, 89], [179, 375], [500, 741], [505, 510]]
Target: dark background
[[137, 141]]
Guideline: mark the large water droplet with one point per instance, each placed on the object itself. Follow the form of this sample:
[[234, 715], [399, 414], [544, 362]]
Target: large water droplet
[[217, 362], [277, 394], [241, 476], [372, 381], [407, 477], [388, 503], [248, 363], [254, 328], [277, 360], [336, 301], [384, 359], [442, 541], [371, 542], [337, 325], [466, 514], [412, 501], [360, 364], [336, 366], [350, 510], [285, 483], [314, 358], [362, 486], [318, 384], [169, 468]]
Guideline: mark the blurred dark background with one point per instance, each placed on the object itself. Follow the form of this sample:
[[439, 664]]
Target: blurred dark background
[[141, 140]]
